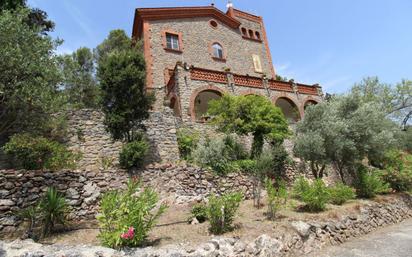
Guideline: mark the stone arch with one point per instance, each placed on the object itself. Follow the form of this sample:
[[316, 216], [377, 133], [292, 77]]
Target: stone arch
[[251, 92], [309, 101], [289, 108], [200, 98]]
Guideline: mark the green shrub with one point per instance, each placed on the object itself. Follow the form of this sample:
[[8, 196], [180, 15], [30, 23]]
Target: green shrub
[[133, 153], [199, 211], [370, 183], [300, 186], [341, 193], [187, 142], [218, 153], [280, 158], [315, 196], [246, 166], [276, 197], [234, 148], [398, 171], [36, 152], [221, 211], [127, 216], [53, 210]]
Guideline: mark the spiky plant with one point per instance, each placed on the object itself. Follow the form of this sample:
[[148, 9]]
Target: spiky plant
[[53, 209]]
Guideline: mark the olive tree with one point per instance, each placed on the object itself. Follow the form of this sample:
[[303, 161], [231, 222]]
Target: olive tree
[[343, 131]]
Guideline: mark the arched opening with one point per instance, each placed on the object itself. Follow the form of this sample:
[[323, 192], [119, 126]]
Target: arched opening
[[309, 103], [175, 106], [202, 103], [251, 33], [257, 35], [217, 51], [244, 31], [289, 109]]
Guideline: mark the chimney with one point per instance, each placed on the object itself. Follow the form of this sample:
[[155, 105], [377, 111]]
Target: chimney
[[230, 11]]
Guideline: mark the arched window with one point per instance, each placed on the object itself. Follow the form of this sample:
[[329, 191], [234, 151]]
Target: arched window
[[257, 35], [217, 50], [309, 103], [251, 33], [244, 32]]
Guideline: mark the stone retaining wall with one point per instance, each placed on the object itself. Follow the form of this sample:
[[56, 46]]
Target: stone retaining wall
[[175, 184], [299, 239]]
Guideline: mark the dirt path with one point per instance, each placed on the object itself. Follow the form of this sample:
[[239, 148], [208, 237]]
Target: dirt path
[[391, 241]]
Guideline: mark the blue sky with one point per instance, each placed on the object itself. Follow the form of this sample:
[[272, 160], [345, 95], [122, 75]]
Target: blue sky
[[332, 42]]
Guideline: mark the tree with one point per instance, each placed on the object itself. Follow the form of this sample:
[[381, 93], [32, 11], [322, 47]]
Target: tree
[[35, 18], [117, 40], [121, 72], [396, 101], [28, 76], [249, 114], [343, 131], [79, 82]]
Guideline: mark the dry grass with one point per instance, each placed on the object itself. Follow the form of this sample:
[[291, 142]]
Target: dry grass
[[250, 223]]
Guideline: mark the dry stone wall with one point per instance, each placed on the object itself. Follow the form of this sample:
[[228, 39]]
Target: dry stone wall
[[87, 135], [300, 239], [175, 184]]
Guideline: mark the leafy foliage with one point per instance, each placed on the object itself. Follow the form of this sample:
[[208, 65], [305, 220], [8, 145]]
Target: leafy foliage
[[246, 166], [340, 193], [221, 211], [315, 195], [398, 170], [187, 142], [199, 211], [300, 186], [277, 196], [133, 153], [126, 217], [370, 183], [343, 131], [29, 76], [53, 210], [218, 153], [36, 152], [122, 74], [249, 114], [79, 82]]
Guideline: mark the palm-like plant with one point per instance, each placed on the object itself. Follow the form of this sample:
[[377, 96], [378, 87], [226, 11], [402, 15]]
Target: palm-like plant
[[53, 209]]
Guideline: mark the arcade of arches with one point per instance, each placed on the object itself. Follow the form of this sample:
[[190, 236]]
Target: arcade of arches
[[201, 102]]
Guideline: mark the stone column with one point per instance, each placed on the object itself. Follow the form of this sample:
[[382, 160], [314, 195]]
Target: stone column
[[230, 82], [183, 82]]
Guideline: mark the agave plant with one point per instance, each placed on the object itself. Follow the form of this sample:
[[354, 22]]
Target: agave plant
[[53, 210]]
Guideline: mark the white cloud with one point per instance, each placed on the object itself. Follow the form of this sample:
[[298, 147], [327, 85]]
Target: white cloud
[[61, 50]]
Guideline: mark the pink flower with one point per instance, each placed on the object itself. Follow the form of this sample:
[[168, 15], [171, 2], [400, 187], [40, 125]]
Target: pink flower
[[129, 234]]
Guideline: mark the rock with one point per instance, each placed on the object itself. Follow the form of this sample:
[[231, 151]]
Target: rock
[[264, 246], [302, 228], [194, 221], [4, 193]]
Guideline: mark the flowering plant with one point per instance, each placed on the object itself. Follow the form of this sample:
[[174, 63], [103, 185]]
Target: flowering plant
[[129, 234]]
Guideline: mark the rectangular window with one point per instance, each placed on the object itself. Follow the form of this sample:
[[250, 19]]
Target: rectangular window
[[257, 63], [172, 41]]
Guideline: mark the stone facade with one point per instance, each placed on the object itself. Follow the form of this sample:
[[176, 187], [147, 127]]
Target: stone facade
[[246, 57], [301, 238], [175, 184]]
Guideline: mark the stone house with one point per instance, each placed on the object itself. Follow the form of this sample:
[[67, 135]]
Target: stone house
[[195, 54]]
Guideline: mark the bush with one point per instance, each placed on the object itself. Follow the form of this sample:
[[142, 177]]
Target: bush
[[127, 216], [276, 197], [199, 211], [36, 152], [280, 158], [398, 171], [314, 195], [218, 154], [234, 148], [370, 183], [53, 210], [300, 186], [341, 193], [187, 142], [132, 154], [222, 210], [246, 166]]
